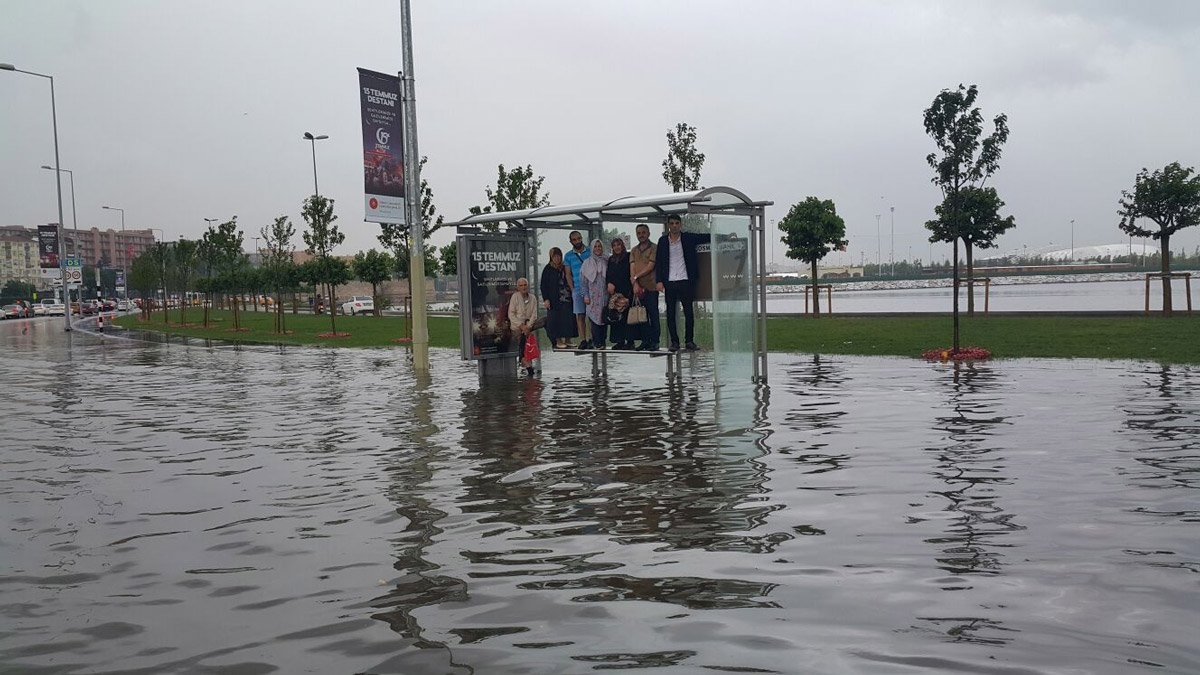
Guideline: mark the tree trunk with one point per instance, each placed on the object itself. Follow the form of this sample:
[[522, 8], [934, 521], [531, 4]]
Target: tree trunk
[[816, 291], [954, 243], [1166, 270], [332, 310], [970, 278]]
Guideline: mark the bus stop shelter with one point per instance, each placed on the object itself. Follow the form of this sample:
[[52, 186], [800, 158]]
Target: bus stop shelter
[[496, 248]]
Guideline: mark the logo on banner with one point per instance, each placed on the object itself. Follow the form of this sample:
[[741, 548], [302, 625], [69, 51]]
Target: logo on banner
[[374, 203], [382, 136]]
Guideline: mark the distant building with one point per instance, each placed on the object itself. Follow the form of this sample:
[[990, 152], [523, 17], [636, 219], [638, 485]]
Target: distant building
[[97, 248]]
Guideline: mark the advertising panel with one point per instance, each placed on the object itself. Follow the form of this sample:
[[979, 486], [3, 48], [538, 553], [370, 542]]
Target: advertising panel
[[732, 266], [488, 269], [48, 246], [383, 146]]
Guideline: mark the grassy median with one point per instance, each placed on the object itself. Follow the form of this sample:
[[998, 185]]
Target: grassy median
[[1154, 338]]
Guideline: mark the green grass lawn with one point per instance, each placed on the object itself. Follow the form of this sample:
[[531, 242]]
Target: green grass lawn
[[1174, 340]]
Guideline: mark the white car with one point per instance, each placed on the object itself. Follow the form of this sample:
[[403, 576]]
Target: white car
[[38, 309], [359, 304], [122, 305], [54, 307]]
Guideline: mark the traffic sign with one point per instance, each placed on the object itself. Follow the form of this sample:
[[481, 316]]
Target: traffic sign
[[74, 271]]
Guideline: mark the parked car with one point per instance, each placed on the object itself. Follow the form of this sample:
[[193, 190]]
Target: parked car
[[38, 309], [54, 307], [11, 311], [359, 304]]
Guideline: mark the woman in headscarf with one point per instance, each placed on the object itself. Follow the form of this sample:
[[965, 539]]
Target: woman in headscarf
[[556, 298], [595, 294], [620, 292]]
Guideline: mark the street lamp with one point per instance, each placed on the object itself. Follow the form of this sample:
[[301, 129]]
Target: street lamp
[[308, 136], [75, 226], [62, 253], [124, 271], [893, 253], [878, 247]]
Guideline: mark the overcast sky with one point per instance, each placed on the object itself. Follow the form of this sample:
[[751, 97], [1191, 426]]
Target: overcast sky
[[185, 110]]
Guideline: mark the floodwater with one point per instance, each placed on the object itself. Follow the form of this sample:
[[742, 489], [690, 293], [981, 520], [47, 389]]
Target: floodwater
[[175, 508], [1065, 293]]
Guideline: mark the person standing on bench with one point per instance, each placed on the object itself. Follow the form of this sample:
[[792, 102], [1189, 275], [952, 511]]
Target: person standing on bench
[[556, 298], [645, 288], [677, 271], [620, 282], [595, 294]]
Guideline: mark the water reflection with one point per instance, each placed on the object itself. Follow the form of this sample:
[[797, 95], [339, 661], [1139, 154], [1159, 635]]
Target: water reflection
[[972, 465]]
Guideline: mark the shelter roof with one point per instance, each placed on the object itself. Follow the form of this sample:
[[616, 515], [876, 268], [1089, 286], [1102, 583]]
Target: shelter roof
[[629, 209]]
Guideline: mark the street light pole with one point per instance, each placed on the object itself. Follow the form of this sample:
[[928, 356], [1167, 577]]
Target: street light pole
[[62, 252], [124, 270], [75, 227], [878, 247], [308, 136], [892, 255]]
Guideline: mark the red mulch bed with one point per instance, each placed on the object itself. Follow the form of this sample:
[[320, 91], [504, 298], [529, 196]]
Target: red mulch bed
[[333, 336], [962, 354], [402, 341]]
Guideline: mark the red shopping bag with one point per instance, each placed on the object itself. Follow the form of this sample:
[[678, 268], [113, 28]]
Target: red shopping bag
[[532, 350]]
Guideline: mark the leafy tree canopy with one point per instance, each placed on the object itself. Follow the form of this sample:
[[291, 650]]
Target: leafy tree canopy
[[373, 267], [956, 126], [979, 221], [681, 168], [516, 189], [812, 229], [449, 254], [1169, 197]]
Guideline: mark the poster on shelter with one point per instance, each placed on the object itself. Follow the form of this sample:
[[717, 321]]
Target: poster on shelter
[[488, 269], [383, 147], [48, 250], [732, 268]]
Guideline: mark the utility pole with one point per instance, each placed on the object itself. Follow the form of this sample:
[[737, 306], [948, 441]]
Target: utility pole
[[892, 255], [412, 191]]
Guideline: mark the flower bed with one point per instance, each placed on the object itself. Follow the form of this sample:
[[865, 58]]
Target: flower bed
[[962, 354]]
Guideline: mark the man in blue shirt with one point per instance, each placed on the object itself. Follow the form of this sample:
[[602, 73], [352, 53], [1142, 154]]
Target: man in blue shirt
[[574, 259]]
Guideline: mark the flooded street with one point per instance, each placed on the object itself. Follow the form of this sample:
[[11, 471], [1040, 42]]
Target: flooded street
[[176, 508]]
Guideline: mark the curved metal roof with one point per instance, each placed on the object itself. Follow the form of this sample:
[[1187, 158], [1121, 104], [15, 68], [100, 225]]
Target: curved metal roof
[[650, 207]]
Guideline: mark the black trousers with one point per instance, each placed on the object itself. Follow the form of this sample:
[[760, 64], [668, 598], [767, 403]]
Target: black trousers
[[650, 330], [681, 293]]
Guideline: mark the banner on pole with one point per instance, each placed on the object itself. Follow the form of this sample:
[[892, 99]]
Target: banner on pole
[[48, 246], [383, 147], [488, 269]]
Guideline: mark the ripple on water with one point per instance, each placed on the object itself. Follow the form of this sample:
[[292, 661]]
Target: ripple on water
[[178, 508]]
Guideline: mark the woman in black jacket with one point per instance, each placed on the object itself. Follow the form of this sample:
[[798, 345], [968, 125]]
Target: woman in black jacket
[[620, 292], [556, 298]]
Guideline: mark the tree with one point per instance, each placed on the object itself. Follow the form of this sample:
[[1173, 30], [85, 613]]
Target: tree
[[449, 254], [812, 229], [279, 268], [321, 237], [681, 168], [183, 271], [17, 289], [515, 190], [395, 236], [224, 245], [964, 161], [145, 276], [1170, 198], [979, 224], [373, 267]]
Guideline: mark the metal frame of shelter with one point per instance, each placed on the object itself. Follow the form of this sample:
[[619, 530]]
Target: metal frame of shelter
[[653, 209]]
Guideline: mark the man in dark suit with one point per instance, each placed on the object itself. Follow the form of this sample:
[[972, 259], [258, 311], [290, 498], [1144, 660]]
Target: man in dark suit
[[676, 269]]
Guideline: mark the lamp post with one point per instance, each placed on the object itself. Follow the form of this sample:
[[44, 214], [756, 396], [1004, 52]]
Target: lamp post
[[124, 271], [308, 136], [878, 247], [1072, 240], [892, 255], [62, 254]]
